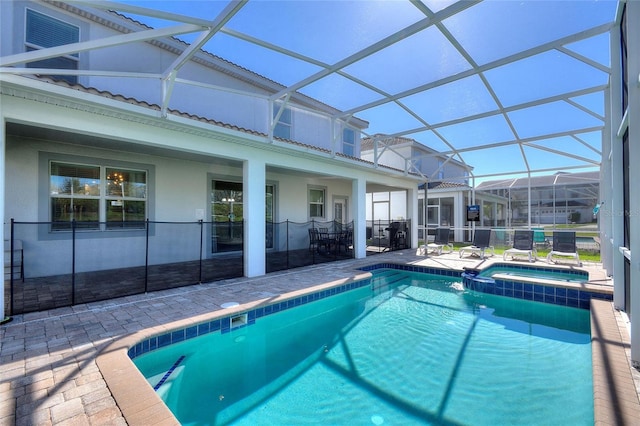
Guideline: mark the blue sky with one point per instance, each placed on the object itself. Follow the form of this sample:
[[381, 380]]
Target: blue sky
[[329, 31]]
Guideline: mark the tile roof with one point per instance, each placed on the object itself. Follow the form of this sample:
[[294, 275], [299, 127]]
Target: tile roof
[[560, 178]]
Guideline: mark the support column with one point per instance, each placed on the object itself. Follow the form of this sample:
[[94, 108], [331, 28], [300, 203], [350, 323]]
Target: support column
[[359, 191], [459, 221], [633, 112], [611, 211], [412, 213], [254, 181], [2, 184]]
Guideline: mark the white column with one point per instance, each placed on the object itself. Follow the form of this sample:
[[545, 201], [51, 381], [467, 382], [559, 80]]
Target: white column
[[412, 213], [633, 111], [254, 181], [2, 183], [359, 191], [611, 211], [460, 211]]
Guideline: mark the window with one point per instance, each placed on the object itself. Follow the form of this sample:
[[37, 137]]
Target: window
[[90, 194], [43, 31], [282, 128], [348, 142], [125, 198], [316, 202], [440, 169]]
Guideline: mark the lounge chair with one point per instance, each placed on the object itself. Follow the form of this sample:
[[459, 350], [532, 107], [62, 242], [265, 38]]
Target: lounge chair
[[539, 238], [522, 245], [481, 242], [439, 243], [564, 244]]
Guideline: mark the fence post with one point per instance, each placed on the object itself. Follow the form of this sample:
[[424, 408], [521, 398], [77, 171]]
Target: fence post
[[243, 240], [146, 257], [11, 266], [73, 262], [201, 239], [313, 253], [287, 231]]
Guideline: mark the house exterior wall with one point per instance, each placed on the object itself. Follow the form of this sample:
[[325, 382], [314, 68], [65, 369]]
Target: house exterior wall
[[429, 165]]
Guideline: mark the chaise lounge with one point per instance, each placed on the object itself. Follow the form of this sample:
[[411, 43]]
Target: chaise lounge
[[523, 244], [481, 242], [439, 243], [564, 244]]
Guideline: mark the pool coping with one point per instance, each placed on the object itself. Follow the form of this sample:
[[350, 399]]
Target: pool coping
[[615, 399], [615, 396]]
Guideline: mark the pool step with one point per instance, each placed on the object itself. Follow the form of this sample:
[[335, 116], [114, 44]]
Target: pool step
[[168, 373]]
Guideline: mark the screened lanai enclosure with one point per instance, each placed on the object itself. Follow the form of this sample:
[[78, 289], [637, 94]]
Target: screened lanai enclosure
[[432, 106]]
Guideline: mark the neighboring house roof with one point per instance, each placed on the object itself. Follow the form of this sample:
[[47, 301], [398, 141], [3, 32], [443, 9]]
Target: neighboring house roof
[[367, 144], [560, 178], [445, 185]]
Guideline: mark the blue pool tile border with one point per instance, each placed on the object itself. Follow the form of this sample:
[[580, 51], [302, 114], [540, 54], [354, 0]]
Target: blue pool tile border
[[223, 325], [415, 268], [563, 296], [576, 298], [537, 292]]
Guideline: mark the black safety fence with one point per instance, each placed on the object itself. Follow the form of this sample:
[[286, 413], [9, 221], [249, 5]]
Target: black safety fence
[[295, 244], [386, 235], [52, 264]]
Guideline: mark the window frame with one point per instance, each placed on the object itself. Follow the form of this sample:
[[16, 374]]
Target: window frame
[[73, 59], [44, 198], [310, 203], [349, 144], [281, 124], [104, 198], [440, 169]]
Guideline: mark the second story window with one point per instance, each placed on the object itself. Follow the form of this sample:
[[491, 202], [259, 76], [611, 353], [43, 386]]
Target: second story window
[[282, 128], [43, 31], [440, 169], [348, 142]]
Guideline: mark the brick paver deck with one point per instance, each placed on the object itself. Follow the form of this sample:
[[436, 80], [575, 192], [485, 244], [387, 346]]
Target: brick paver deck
[[49, 373]]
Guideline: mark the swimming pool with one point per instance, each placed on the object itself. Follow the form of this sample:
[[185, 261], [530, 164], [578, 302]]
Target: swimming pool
[[406, 348]]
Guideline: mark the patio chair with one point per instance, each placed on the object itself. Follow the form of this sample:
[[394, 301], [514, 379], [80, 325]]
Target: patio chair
[[564, 244], [539, 238], [313, 239], [324, 239], [481, 242], [345, 239], [522, 245], [440, 241]]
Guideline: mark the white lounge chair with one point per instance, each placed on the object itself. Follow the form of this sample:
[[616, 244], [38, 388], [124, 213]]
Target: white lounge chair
[[481, 242], [439, 243], [564, 244], [522, 245]]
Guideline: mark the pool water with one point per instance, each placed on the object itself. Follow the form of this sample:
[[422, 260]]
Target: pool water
[[409, 349]]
